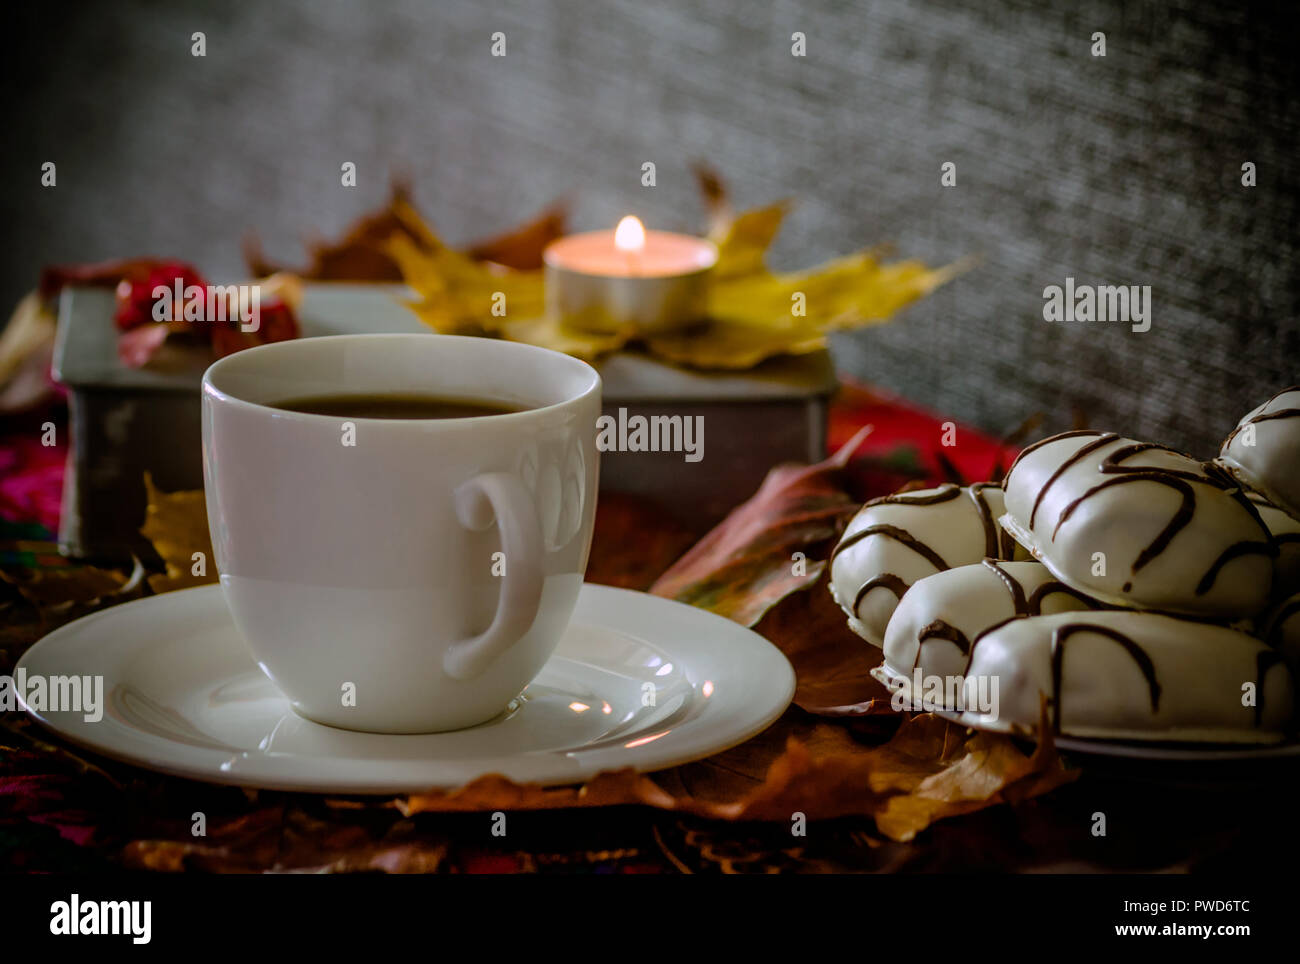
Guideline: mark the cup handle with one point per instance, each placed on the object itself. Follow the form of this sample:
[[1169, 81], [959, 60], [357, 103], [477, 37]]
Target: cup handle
[[501, 498]]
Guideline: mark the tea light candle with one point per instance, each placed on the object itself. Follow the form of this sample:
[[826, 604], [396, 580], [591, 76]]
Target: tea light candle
[[605, 281]]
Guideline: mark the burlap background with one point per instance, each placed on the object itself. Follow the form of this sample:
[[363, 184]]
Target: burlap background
[[1122, 170]]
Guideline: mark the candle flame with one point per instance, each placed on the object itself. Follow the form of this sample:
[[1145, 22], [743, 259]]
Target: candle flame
[[630, 234]]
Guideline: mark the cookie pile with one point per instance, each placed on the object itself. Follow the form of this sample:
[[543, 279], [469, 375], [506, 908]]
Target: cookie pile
[[1142, 593]]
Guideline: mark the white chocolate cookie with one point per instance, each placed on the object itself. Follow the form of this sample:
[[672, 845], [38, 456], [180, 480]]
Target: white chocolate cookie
[[1285, 529], [1281, 631], [1134, 675], [1264, 449], [933, 627], [895, 540], [1139, 525]]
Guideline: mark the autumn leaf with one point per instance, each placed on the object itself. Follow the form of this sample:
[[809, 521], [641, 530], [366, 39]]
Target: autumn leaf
[[748, 562], [361, 253], [521, 248], [717, 202], [80, 584], [753, 313], [931, 770], [60, 595], [633, 542], [723, 346], [37, 600], [945, 775], [177, 525], [751, 318], [26, 348], [457, 293], [283, 838], [546, 331], [743, 242], [356, 256], [832, 664]]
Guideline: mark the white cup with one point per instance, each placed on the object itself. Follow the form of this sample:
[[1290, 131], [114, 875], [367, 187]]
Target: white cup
[[394, 575]]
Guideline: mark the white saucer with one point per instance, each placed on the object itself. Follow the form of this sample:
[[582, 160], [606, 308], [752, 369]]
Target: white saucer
[[1146, 750], [182, 695]]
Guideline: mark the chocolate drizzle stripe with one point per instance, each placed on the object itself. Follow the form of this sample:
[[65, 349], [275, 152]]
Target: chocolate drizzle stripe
[[845, 543], [1017, 591], [1180, 518], [1063, 633], [1051, 588], [985, 514], [1007, 544], [1035, 446], [1277, 395], [886, 580], [898, 535], [946, 493], [1111, 463], [1011, 619], [1031, 606], [1245, 498], [1235, 551], [1264, 659], [941, 630], [970, 655], [1272, 416], [1263, 416], [1083, 452], [1179, 482]]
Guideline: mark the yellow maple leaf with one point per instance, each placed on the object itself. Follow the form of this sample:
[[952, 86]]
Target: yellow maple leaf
[[753, 313], [177, 525]]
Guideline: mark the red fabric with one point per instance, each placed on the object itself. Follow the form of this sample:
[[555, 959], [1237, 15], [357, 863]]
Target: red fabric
[[31, 479], [907, 442]]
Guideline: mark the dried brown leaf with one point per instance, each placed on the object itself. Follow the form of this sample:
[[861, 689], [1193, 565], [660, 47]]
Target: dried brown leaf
[[623, 521], [362, 254], [768, 547], [521, 248], [832, 664], [287, 839], [717, 203], [932, 769]]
